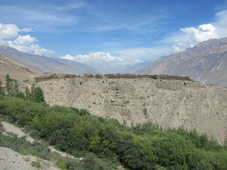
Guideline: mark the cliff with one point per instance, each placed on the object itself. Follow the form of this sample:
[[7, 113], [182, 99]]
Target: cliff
[[169, 103]]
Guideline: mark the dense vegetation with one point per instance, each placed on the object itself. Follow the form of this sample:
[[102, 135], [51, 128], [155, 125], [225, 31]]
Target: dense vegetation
[[141, 147], [41, 150], [34, 94]]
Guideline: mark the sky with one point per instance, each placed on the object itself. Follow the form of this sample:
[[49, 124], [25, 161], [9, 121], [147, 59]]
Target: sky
[[110, 32]]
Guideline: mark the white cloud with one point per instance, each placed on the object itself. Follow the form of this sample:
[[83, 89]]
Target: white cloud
[[23, 43], [39, 50], [68, 57], [103, 62], [103, 58], [24, 40], [182, 43], [97, 57], [192, 36], [8, 31], [202, 33], [11, 31]]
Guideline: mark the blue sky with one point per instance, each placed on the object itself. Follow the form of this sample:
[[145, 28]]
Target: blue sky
[[110, 31]]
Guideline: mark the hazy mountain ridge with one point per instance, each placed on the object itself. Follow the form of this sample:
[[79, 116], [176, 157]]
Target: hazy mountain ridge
[[135, 67], [47, 64], [206, 62]]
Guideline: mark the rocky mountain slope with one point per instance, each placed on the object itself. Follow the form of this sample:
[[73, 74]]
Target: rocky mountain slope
[[14, 68], [47, 64], [169, 103], [206, 62]]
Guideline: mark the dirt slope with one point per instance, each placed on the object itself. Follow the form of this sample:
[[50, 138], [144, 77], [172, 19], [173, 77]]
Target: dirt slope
[[11, 160], [14, 68]]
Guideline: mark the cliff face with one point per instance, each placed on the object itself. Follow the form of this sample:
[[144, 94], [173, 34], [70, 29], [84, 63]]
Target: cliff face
[[169, 103]]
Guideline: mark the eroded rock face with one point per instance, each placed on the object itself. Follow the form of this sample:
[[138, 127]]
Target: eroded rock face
[[169, 103]]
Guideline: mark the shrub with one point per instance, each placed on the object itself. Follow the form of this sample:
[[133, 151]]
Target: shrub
[[36, 164]]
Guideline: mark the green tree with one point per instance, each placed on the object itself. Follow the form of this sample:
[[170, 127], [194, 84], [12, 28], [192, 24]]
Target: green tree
[[38, 95], [1, 89], [12, 88], [27, 94], [35, 94]]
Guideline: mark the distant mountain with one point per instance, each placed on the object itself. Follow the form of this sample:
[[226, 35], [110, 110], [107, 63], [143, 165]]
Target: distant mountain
[[110, 68], [206, 62], [47, 64], [135, 67]]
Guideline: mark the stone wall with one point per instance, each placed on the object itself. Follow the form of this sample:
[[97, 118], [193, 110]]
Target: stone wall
[[49, 76], [34, 79]]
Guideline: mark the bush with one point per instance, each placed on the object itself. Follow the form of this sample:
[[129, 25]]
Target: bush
[[36, 164]]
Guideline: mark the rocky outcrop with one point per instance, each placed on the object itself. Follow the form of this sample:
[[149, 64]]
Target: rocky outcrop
[[169, 103]]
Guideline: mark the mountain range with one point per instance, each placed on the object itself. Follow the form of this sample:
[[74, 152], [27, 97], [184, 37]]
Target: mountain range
[[205, 62]]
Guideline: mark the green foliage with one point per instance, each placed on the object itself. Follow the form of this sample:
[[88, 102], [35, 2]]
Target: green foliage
[[12, 88], [40, 150], [35, 94], [27, 94], [140, 147], [36, 164], [1, 89]]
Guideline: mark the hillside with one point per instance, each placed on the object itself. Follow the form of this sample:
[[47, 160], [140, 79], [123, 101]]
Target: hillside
[[206, 62], [169, 103], [47, 64], [15, 69]]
